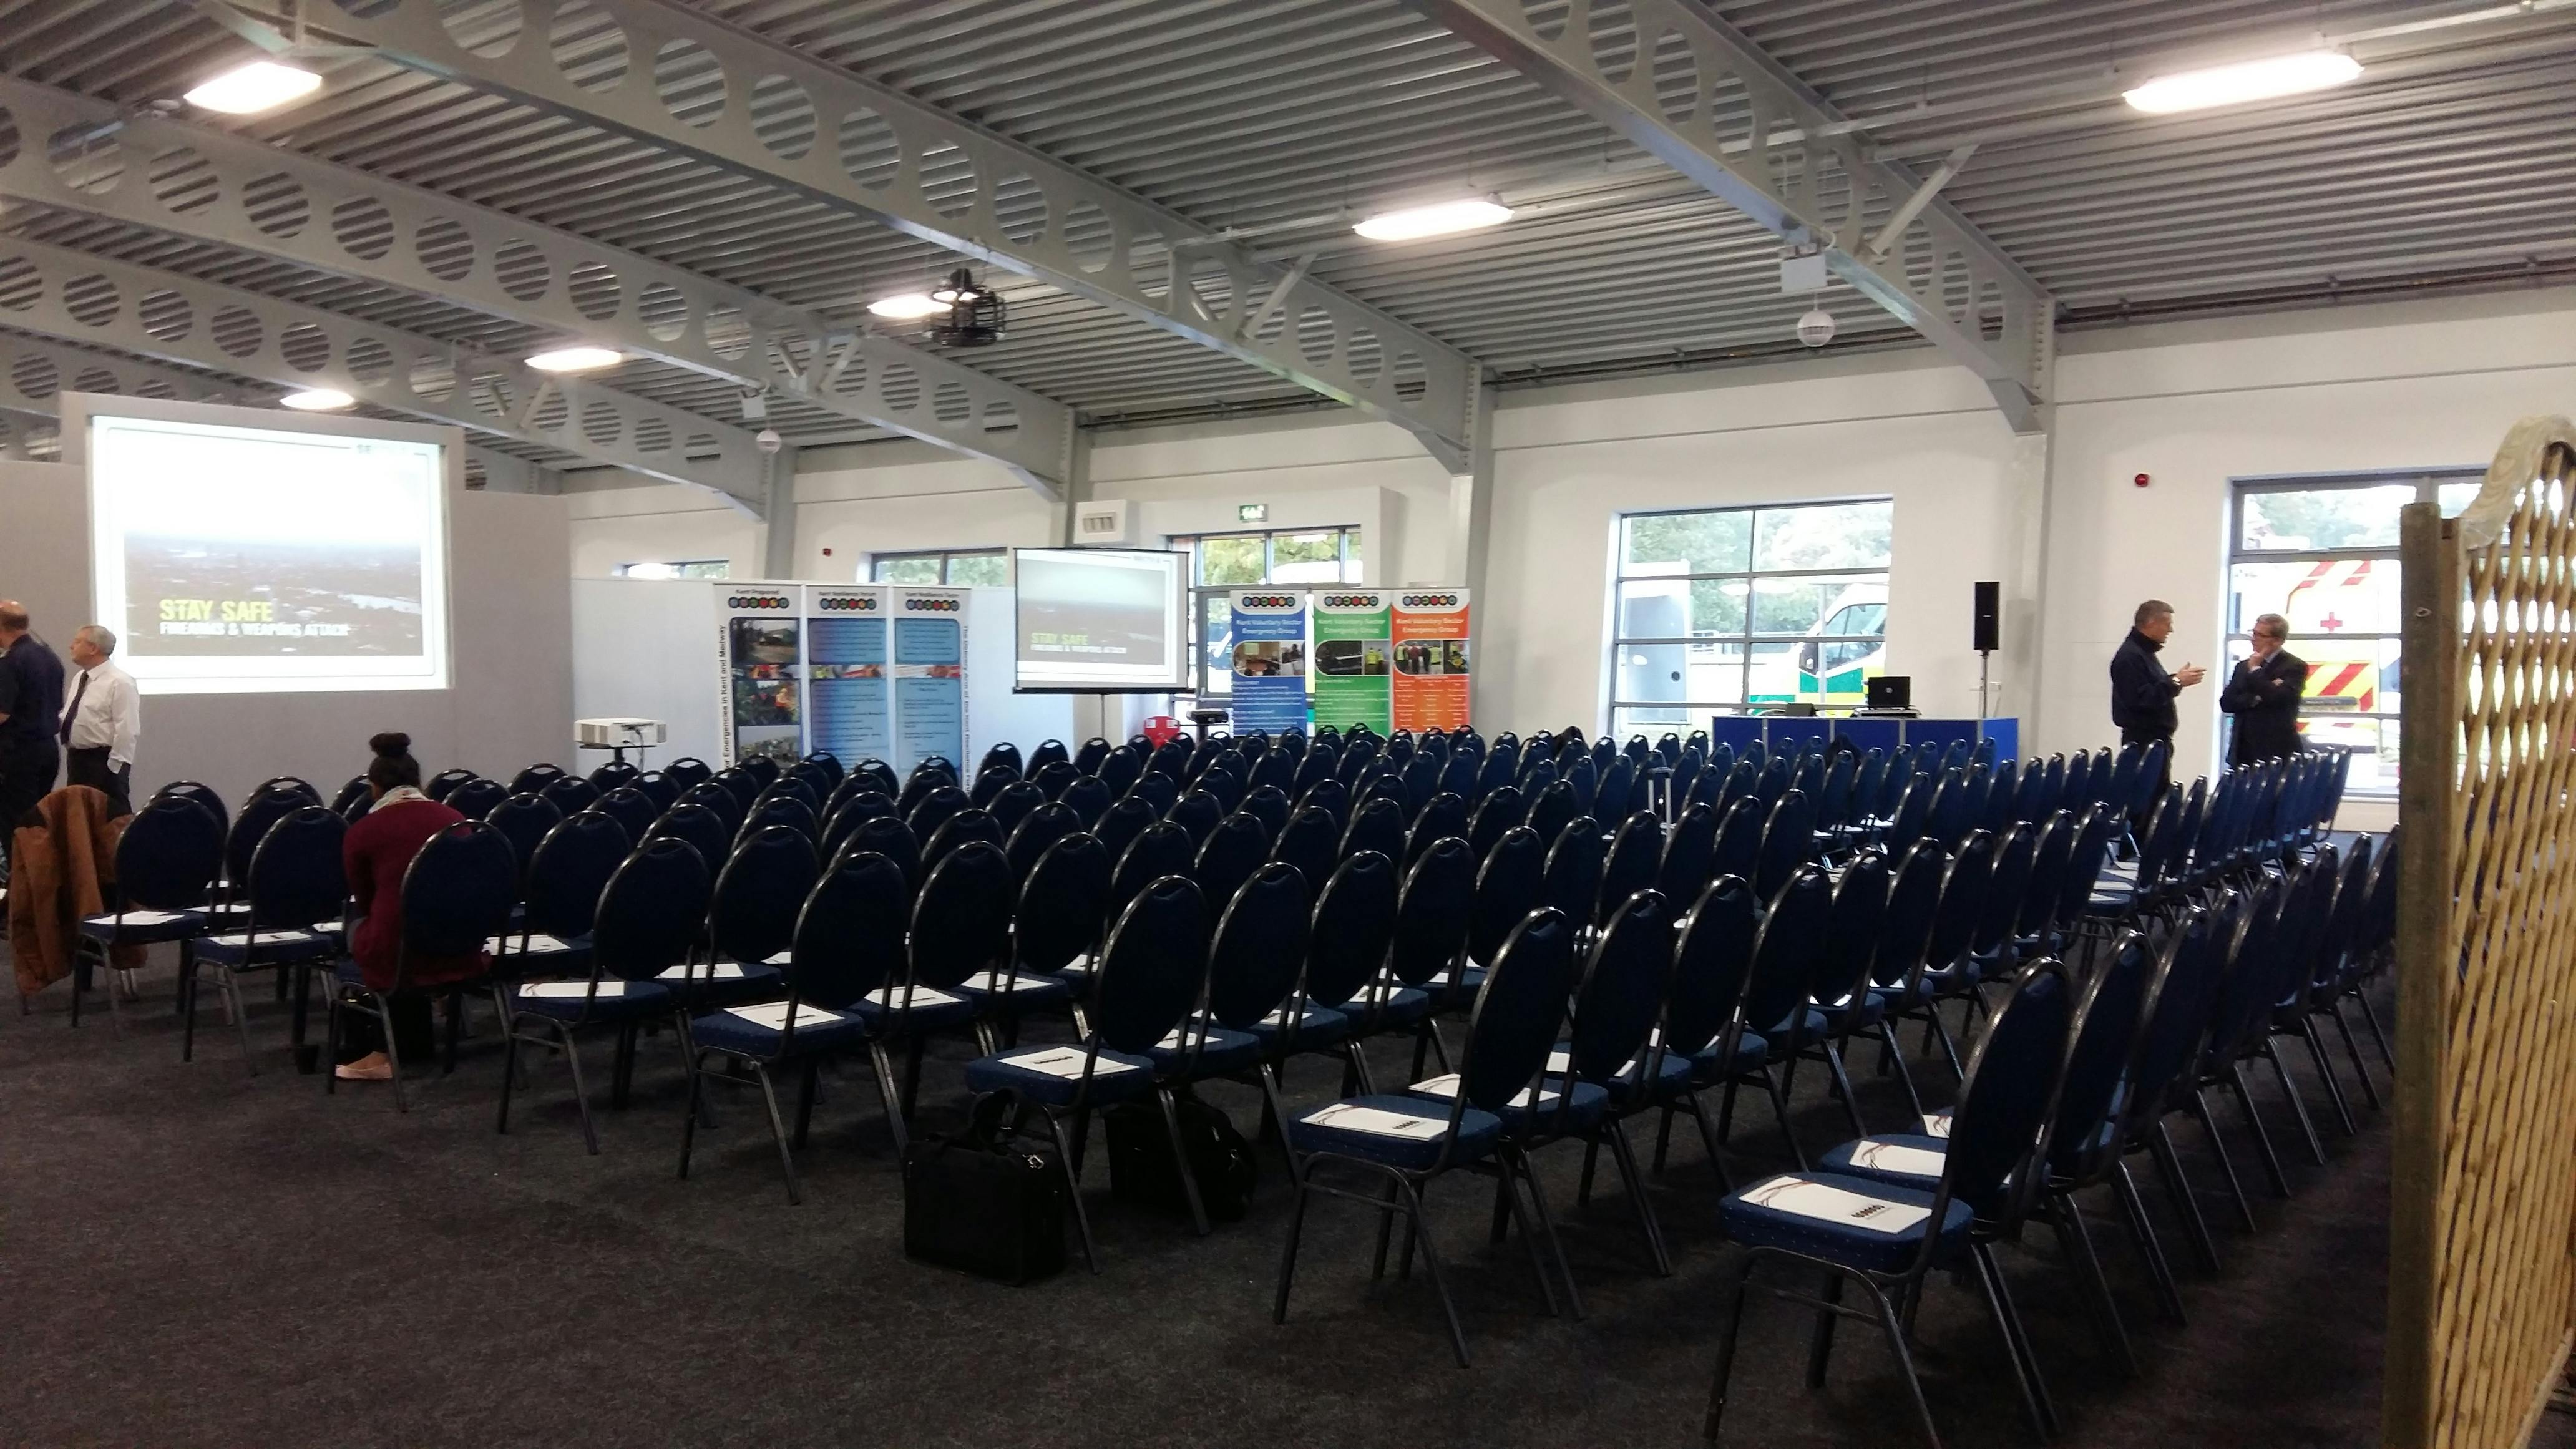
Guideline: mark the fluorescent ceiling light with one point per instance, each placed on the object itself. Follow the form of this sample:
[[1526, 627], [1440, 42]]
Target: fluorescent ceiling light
[[317, 400], [907, 307], [1439, 219], [261, 85], [2253, 80], [575, 359]]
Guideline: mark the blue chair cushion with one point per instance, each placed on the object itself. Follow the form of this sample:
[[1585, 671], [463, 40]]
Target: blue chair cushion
[[883, 1009], [1951, 980], [1116, 1076], [724, 1031], [634, 999], [1221, 1054], [1378, 1010], [265, 948], [543, 955], [1027, 992], [1318, 1028], [1580, 1114], [1672, 1075], [1317, 1131], [143, 928], [1439, 986], [1714, 1063], [702, 993], [1847, 1016], [1779, 1031], [1752, 1218], [1907, 1159]]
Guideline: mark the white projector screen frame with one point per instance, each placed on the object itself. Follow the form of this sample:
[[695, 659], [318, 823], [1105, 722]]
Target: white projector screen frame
[[94, 424], [1069, 674]]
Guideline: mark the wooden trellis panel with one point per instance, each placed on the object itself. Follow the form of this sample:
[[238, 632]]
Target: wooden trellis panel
[[2484, 1219]]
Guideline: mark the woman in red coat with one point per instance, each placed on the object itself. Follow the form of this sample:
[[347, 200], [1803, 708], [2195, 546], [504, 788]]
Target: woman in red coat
[[379, 848]]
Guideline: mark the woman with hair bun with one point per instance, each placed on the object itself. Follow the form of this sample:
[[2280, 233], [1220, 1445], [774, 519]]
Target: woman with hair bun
[[378, 850]]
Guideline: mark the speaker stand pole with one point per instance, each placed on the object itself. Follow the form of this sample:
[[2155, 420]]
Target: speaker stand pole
[[1985, 658]]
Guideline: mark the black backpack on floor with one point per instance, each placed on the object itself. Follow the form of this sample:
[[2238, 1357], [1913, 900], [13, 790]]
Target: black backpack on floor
[[1140, 1158], [983, 1203]]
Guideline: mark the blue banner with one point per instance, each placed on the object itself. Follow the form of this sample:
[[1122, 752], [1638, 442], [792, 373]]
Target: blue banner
[[848, 708], [929, 676], [1269, 660]]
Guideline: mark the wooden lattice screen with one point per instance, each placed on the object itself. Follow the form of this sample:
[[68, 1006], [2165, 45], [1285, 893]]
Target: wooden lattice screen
[[2481, 1292]]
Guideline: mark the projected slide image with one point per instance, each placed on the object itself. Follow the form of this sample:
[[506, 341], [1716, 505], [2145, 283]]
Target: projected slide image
[[1431, 656], [1269, 658], [1350, 657], [246, 558], [1091, 612]]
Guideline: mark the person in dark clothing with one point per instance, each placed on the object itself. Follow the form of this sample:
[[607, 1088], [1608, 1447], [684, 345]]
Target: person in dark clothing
[[376, 852], [31, 705], [2264, 695], [2142, 693]]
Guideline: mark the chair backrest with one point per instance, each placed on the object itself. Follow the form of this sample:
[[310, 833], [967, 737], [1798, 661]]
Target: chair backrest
[[1517, 1013], [444, 783], [1269, 805], [1006, 755], [1333, 798], [651, 912], [865, 803], [1353, 927], [1712, 964], [2002, 786], [1432, 914], [879, 775], [934, 808], [1963, 900], [614, 774], [1510, 883], [1583, 777], [887, 836], [782, 808], [1788, 949], [761, 770], [352, 804], [2096, 829], [1621, 995], [700, 826], [2011, 1080], [2106, 1038], [2010, 886], [1229, 856], [1501, 810], [1550, 808], [1089, 798], [1162, 849], [664, 790], [688, 772], [821, 770], [967, 826], [1636, 852], [1012, 803], [1044, 826], [990, 781], [169, 855], [1196, 812], [789, 787], [925, 777], [258, 814], [570, 869], [1573, 879], [295, 875], [524, 820], [632, 809], [1913, 905], [1857, 924], [1274, 770], [1049, 752], [1788, 841], [475, 798], [455, 894], [1690, 853], [2176, 1011], [1124, 820], [1737, 848], [1120, 768], [1259, 947], [1063, 900], [1154, 967], [1312, 843], [573, 794], [1442, 817], [759, 891], [849, 931], [537, 777], [961, 921], [1954, 807], [1377, 824], [2046, 885], [1910, 818]]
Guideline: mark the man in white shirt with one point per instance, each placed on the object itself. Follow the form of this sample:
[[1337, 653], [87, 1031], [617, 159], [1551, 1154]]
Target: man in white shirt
[[102, 719]]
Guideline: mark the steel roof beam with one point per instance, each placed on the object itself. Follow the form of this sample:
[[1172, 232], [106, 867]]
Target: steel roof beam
[[216, 186], [72, 295], [931, 175], [1758, 138]]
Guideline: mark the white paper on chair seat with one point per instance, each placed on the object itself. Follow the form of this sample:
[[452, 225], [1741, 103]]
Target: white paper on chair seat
[[781, 958], [1081, 965], [1067, 1062], [1937, 1124], [266, 938], [1827, 1204], [890, 996], [1348, 1117], [723, 971], [572, 988], [538, 944], [330, 928], [773, 1015], [1448, 1087], [1280, 1016], [995, 980], [142, 918], [1897, 1157], [1559, 1063]]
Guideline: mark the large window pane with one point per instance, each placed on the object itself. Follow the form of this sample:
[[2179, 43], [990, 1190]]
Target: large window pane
[[1230, 561], [2324, 518], [1289, 550], [1216, 643], [1852, 604], [908, 569], [1830, 536], [1687, 543], [1681, 608], [2455, 497], [979, 568], [2321, 598]]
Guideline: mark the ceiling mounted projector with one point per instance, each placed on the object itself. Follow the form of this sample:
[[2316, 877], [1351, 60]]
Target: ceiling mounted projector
[[976, 314], [1816, 328]]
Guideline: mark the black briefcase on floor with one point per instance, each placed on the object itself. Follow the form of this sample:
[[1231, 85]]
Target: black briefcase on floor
[[983, 1203]]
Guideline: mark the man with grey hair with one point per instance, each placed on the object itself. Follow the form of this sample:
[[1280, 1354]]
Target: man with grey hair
[[31, 691], [2142, 693], [103, 721], [2264, 696]]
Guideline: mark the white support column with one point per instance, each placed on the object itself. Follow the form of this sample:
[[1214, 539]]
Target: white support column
[[778, 528], [2027, 504], [1471, 519]]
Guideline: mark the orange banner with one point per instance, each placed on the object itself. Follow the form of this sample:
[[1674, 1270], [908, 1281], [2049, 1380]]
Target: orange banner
[[1431, 664]]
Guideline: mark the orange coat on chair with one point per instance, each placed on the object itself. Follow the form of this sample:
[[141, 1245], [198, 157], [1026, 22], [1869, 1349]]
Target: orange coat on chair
[[60, 872]]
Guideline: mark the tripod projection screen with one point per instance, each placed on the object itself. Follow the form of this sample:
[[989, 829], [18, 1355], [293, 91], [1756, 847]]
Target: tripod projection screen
[[234, 553], [1101, 620]]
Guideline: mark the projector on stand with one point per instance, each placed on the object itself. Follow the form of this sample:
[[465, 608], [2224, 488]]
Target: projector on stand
[[619, 734]]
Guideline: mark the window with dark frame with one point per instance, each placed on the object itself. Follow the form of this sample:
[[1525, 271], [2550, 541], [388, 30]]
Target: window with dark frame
[[1220, 562], [956, 567], [693, 568], [1722, 610]]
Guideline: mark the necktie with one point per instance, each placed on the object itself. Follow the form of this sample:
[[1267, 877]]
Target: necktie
[[73, 712]]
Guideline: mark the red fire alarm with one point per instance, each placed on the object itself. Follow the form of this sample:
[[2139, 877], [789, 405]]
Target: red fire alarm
[[827, 553], [2141, 480]]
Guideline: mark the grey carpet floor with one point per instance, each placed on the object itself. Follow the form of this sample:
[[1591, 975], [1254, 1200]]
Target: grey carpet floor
[[190, 1255]]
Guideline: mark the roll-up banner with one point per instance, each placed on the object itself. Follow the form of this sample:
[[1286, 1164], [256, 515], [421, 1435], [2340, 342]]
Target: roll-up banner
[[760, 644], [1350, 664], [849, 708], [1269, 660], [1430, 638], [929, 676]]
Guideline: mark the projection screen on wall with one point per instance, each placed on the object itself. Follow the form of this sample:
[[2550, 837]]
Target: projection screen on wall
[[237, 550], [1104, 620]]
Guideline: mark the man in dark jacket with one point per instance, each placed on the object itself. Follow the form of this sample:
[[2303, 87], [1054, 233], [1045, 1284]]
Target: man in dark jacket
[[2142, 693], [2264, 696]]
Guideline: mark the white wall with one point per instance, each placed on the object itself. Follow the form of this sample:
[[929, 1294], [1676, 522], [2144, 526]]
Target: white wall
[[657, 523]]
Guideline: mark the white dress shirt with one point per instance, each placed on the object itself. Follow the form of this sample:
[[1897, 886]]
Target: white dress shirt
[[111, 713]]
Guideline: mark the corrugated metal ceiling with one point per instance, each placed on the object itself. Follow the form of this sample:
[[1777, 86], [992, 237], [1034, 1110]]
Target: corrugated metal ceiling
[[1286, 117]]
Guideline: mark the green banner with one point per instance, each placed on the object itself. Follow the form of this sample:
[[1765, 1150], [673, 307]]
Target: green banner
[[1351, 672]]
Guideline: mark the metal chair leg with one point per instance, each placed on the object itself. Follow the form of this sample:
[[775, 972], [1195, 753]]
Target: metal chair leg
[[689, 1120], [1889, 1055], [580, 1093], [1288, 1250], [1725, 1371], [2325, 1069], [1508, 1201], [384, 1011], [1421, 1228], [1181, 1159], [2076, 1239], [1893, 1326], [888, 1093], [240, 1015], [2142, 1234], [2026, 1375], [1082, 1219], [2370, 1018], [1820, 1345], [1625, 1156], [2262, 1135], [2226, 1163], [777, 1130], [2298, 1102], [2352, 1046], [1842, 1082], [2186, 1203], [805, 1099]]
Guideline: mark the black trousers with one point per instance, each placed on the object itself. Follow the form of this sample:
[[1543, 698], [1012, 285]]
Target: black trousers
[[28, 764], [2164, 769], [89, 766], [414, 1029]]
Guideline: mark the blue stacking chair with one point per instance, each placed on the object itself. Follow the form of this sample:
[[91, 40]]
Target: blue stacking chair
[[969, 826], [1351, 930], [1157, 790], [1887, 1239], [1254, 961], [1151, 974], [888, 836], [1229, 856], [1269, 805], [1779, 992], [1949, 969], [1312, 843], [1551, 807], [572, 794], [1088, 759], [632, 809], [821, 769], [933, 810], [537, 777], [1053, 778], [664, 790], [524, 821], [961, 945], [1124, 820], [444, 783], [1381, 1151], [1037, 833], [1511, 882], [990, 781], [1788, 841], [1690, 853], [848, 930], [1198, 813], [879, 775], [2174, 1017], [1330, 796], [780, 808], [647, 921], [1843, 997], [1049, 752], [751, 922], [1005, 755], [1376, 824], [262, 810], [1703, 1016], [561, 887], [701, 827], [455, 898], [1221, 782], [709, 795], [614, 775], [1737, 849], [1572, 881], [688, 771], [1635, 854], [1428, 956], [1899, 957], [294, 887], [1497, 813], [355, 799], [1275, 770], [474, 799], [1442, 817], [166, 864], [1057, 925]]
